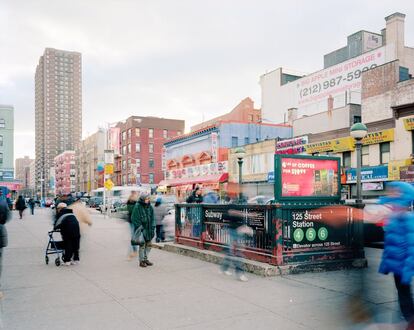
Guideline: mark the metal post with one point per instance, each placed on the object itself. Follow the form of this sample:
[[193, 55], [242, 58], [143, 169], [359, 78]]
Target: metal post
[[358, 145], [240, 161]]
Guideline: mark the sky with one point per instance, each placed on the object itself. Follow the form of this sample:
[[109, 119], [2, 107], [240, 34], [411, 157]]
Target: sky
[[184, 59]]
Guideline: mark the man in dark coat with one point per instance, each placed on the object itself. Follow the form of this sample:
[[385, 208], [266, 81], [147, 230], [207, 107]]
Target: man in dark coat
[[20, 206], [143, 217], [70, 231], [196, 196], [4, 217]]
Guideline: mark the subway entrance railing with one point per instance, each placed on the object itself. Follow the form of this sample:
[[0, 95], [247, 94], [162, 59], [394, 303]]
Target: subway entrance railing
[[279, 234]]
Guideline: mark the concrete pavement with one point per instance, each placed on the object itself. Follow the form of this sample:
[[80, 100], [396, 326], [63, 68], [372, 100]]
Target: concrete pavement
[[107, 292]]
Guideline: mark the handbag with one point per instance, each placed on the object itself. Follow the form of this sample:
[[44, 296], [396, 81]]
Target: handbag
[[138, 237]]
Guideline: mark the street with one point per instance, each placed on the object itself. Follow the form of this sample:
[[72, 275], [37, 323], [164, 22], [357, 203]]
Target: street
[[107, 292]]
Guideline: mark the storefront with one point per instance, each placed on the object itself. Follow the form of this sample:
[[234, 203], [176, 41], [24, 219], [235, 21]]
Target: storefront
[[373, 180], [182, 181]]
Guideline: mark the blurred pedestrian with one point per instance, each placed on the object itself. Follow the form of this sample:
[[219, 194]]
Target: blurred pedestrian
[[31, 205], [211, 197], [4, 217], [20, 205], [236, 232], [160, 211], [81, 213], [132, 200], [398, 255], [196, 196], [70, 231], [143, 219]]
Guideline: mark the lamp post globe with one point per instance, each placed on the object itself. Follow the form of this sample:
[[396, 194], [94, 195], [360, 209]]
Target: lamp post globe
[[359, 131]]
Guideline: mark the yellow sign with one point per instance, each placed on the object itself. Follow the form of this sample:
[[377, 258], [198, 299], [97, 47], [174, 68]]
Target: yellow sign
[[409, 123], [109, 184], [379, 137], [336, 145], [109, 169], [394, 168]]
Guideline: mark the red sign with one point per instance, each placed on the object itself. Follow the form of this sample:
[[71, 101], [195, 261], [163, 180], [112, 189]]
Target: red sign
[[302, 177]]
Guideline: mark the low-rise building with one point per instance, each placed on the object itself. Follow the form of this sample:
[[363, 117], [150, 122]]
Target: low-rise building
[[65, 173]]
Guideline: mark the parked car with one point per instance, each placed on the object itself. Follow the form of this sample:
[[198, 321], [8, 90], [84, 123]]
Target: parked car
[[260, 199], [114, 205], [94, 202]]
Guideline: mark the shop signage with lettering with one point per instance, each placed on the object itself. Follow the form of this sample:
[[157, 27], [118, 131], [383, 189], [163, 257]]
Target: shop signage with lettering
[[291, 146], [368, 174], [379, 137], [409, 123], [394, 168], [197, 171], [336, 145], [407, 173]]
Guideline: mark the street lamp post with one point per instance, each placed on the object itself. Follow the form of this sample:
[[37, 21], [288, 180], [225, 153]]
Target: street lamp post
[[358, 132], [240, 153]]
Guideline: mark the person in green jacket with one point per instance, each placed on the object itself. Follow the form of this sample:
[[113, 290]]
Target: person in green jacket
[[132, 200], [143, 217]]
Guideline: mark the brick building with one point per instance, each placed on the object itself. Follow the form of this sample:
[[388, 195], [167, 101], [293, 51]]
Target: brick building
[[244, 112], [65, 173], [141, 142]]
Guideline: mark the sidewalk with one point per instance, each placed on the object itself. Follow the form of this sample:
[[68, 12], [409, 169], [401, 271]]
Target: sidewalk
[[107, 292]]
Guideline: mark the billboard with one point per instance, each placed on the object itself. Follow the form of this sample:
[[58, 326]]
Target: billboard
[[307, 177]]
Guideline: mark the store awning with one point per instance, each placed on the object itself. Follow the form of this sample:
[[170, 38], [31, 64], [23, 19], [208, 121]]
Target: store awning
[[202, 179]]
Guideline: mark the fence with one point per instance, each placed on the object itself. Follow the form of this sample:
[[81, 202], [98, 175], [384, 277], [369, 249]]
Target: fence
[[278, 234]]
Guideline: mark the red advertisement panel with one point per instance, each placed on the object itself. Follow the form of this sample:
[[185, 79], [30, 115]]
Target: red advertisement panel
[[309, 177]]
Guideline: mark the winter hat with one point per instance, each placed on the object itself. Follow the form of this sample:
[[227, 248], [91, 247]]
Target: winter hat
[[61, 206], [143, 197]]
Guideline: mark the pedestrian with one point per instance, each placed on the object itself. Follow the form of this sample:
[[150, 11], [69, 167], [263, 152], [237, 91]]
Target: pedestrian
[[132, 200], [398, 255], [70, 231], [211, 197], [236, 232], [160, 211], [143, 218], [31, 205], [4, 217], [81, 213], [196, 196], [20, 205]]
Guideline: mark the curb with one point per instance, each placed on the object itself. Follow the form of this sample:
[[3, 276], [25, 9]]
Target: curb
[[260, 268]]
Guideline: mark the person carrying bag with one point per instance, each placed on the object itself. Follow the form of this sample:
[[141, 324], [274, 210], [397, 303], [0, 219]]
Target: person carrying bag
[[144, 228]]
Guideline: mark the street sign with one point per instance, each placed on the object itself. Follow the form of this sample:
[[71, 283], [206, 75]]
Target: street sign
[[109, 169], [109, 156], [109, 184]]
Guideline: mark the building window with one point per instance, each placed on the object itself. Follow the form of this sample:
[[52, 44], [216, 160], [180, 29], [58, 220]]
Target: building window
[[129, 148], [151, 133], [151, 163], [412, 142], [346, 159], [123, 136], [1, 140], [129, 133], [2, 123], [124, 180], [137, 132], [165, 134], [234, 141], [151, 178], [1, 158], [124, 164], [138, 147], [246, 140], [129, 163], [384, 153], [357, 119], [124, 150], [138, 162], [365, 155], [151, 148]]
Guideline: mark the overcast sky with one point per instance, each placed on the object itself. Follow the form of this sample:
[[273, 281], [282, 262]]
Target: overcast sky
[[176, 59]]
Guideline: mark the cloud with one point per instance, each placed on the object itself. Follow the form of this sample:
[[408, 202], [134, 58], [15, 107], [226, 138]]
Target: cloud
[[185, 59]]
